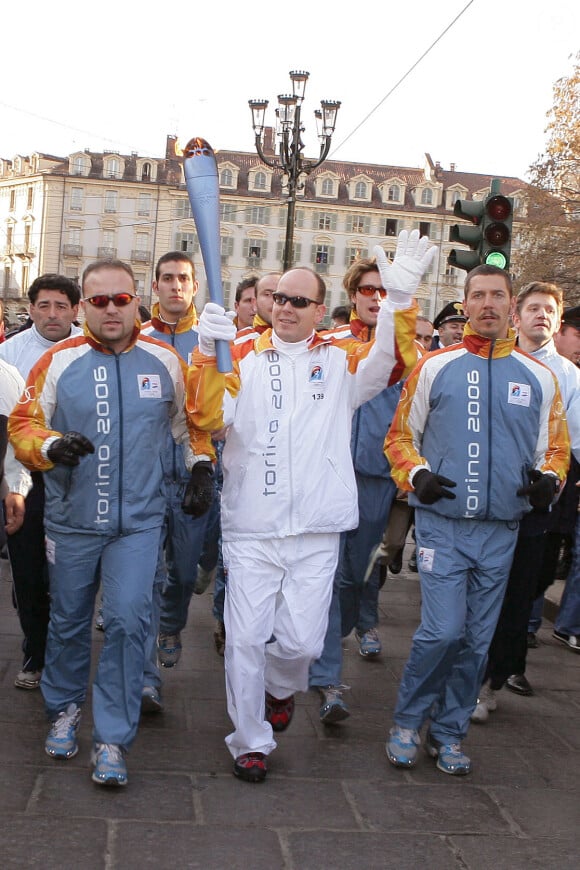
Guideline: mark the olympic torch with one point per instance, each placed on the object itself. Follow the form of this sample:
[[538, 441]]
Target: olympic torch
[[201, 178]]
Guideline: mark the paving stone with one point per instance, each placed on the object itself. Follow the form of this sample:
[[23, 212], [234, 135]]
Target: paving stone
[[540, 812], [48, 845], [539, 853], [371, 851]]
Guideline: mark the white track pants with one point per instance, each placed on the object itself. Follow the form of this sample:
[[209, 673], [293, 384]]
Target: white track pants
[[278, 588]]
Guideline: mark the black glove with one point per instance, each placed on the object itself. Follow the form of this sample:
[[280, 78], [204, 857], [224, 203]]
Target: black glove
[[68, 449], [199, 492], [429, 487], [541, 489]]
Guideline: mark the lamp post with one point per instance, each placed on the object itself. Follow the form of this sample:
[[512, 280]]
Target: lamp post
[[289, 133]]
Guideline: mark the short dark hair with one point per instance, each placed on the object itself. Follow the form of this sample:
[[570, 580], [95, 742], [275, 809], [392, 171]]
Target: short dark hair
[[97, 265], [246, 284], [174, 256], [486, 269], [341, 312], [60, 283]]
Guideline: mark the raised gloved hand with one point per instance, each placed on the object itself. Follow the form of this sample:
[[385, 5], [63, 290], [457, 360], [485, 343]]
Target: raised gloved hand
[[413, 257], [541, 489], [68, 449], [199, 492], [430, 487], [214, 325]]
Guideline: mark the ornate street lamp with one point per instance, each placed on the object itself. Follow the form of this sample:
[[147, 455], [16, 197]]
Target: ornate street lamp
[[289, 133]]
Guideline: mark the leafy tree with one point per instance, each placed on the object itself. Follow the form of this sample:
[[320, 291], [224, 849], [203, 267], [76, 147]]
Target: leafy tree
[[550, 236]]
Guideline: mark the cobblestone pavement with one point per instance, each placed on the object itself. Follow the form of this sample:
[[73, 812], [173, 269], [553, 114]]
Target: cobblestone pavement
[[331, 799]]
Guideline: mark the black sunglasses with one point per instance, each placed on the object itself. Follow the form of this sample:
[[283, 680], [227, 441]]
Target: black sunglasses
[[119, 300], [295, 301]]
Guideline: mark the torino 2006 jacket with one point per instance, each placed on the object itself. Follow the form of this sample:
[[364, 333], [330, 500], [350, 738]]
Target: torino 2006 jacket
[[481, 413], [127, 404], [287, 463]]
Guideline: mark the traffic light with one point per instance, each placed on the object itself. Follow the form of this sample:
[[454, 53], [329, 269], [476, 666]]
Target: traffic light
[[489, 238], [497, 231], [470, 210]]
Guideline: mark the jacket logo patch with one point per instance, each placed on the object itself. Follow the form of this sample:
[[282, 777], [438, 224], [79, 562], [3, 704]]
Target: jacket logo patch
[[519, 394], [316, 374], [149, 386]]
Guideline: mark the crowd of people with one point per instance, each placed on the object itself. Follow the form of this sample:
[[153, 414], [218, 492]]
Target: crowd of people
[[134, 468]]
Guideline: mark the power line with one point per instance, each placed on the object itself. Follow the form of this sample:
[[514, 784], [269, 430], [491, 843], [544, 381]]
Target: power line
[[403, 77]]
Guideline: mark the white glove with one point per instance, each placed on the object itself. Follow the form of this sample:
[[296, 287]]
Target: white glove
[[214, 325], [412, 259]]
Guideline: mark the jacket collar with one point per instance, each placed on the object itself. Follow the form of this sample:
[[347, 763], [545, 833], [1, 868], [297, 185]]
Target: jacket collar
[[184, 324]]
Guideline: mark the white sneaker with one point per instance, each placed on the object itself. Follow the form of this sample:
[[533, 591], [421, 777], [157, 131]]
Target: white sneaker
[[486, 704]]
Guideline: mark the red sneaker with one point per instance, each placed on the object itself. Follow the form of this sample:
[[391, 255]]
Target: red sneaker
[[251, 766], [279, 712]]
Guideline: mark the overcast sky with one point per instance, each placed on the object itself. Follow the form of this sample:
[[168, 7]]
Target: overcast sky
[[121, 76]]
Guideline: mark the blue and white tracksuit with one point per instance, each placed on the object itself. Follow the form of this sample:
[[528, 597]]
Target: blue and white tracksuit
[[103, 518], [481, 413]]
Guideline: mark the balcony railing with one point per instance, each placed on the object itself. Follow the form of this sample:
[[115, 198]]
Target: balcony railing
[[141, 256], [106, 253]]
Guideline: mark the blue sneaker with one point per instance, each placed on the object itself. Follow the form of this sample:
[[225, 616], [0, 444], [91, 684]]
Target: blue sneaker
[[333, 709], [403, 746], [369, 643], [151, 700], [109, 765], [62, 737], [169, 649], [450, 757]]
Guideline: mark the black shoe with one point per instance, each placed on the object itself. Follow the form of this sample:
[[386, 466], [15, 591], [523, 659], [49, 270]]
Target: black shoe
[[519, 684], [251, 767], [533, 642], [397, 563], [413, 563]]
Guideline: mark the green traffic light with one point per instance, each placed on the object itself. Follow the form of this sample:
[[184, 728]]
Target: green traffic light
[[496, 258]]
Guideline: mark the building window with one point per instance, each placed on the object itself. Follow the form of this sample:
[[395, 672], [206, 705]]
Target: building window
[[186, 242], [80, 165], [424, 228], [74, 236], [260, 181], [394, 193], [255, 251], [142, 241], [354, 253], [111, 199], [146, 172], [391, 227], [226, 178], [296, 247], [113, 168], [144, 204], [323, 257], [327, 188], [298, 218], [360, 191], [358, 223], [76, 199], [324, 220], [12, 206], [258, 214], [226, 247], [227, 211], [426, 196], [182, 209], [29, 198]]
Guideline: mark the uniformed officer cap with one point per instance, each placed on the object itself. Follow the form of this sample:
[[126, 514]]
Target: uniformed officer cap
[[452, 311]]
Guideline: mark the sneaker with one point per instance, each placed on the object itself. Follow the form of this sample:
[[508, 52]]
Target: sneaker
[[169, 649], [486, 704], [403, 746], [571, 640], [108, 761], [450, 757], [251, 766], [279, 711], [533, 642], [203, 579], [333, 708], [369, 643], [412, 563], [219, 637], [151, 700], [27, 679], [99, 620], [62, 737]]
